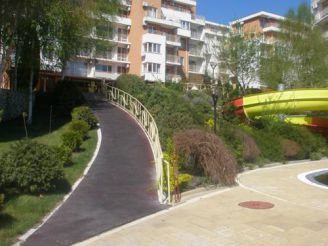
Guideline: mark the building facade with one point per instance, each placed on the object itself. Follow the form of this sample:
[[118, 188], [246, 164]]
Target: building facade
[[320, 11], [159, 40], [262, 24]]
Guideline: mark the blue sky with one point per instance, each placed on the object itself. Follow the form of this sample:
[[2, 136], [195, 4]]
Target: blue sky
[[224, 11]]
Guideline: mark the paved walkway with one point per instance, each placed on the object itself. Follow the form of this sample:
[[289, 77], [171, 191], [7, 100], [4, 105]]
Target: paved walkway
[[120, 186], [299, 217]]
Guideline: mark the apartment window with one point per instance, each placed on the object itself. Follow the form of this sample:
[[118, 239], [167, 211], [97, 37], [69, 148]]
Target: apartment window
[[121, 70], [152, 29], [152, 68], [152, 12], [152, 48], [103, 68], [185, 25]]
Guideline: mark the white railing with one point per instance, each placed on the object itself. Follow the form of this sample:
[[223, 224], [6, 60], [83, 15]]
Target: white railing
[[140, 113]]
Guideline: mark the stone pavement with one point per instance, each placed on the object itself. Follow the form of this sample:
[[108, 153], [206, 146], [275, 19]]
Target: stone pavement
[[299, 217], [119, 188]]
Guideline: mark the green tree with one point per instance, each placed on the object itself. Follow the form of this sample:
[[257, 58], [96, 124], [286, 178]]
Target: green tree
[[240, 55], [299, 58], [55, 28]]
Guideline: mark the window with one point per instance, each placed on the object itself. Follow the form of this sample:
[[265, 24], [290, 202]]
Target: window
[[152, 48], [103, 68], [121, 69], [185, 25], [152, 68], [152, 29], [152, 12]]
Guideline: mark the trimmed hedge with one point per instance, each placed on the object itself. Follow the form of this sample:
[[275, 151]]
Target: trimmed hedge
[[80, 127], [31, 167], [84, 113], [72, 140]]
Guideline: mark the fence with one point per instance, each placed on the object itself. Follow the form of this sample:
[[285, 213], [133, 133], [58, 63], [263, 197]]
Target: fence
[[140, 113]]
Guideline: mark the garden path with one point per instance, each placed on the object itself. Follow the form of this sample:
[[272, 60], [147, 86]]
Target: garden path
[[119, 188]]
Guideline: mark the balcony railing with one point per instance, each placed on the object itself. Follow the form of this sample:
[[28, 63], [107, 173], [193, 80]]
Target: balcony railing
[[122, 57], [111, 36], [196, 35], [173, 58], [172, 77], [196, 52], [104, 55], [174, 7], [195, 68]]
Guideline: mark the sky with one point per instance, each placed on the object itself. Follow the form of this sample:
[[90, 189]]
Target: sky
[[225, 11]]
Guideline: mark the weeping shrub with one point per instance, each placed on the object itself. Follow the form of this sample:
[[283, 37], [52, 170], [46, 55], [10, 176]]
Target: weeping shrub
[[208, 153]]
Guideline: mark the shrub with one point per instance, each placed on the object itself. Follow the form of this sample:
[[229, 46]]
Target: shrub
[[251, 151], [72, 140], [316, 156], [79, 126], [84, 113], [64, 153], [208, 153], [291, 149], [184, 180], [67, 96], [31, 167], [132, 84]]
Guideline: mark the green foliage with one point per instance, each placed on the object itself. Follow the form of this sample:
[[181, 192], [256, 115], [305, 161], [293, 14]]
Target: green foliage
[[31, 167], [84, 113], [241, 56], [64, 153], [299, 59], [79, 126], [72, 140], [184, 180], [67, 96], [1, 113], [316, 156], [309, 141]]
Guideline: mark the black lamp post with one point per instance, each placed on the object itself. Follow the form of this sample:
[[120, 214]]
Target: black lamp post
[[215, 97], [215, 94]]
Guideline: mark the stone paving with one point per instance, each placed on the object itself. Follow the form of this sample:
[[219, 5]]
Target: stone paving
[[299, 217]]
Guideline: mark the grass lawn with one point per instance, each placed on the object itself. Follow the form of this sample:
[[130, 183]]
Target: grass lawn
[[24, 211], [323, 179]]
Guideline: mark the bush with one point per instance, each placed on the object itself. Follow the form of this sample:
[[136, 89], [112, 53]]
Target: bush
[[79, 126], [84, 113], [314, 156], [64, 153], [67, 96], [72, 140], [291, 149], [31, 167], [208, 153]]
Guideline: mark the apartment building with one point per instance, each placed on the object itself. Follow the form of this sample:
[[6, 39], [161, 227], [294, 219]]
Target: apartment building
[[263, 24], [320, 11], [159, 40]]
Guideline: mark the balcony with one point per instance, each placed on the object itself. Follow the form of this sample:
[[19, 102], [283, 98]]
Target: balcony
[[322, 15], [196, 35], [104, 55], [186, 2], [196, 53], [161, 20], [198, 20], [124, 20], [173, 59], [193, 68], [271, 27], [113, 37], [173, 77]]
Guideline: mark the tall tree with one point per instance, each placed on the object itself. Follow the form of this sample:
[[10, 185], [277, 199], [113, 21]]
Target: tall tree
[[240, 55], [299, 57], [55, 28]]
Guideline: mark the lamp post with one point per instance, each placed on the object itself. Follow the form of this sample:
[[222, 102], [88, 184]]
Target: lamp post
[[215, 97], [215, 94]]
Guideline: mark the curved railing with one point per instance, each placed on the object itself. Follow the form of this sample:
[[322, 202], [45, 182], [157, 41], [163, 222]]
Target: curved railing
[[141, 114]]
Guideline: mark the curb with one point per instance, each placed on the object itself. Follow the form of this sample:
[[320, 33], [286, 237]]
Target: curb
[[30, 232]]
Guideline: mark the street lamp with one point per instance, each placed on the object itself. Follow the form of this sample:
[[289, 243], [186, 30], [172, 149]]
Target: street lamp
[[215, 97], [213, 66]]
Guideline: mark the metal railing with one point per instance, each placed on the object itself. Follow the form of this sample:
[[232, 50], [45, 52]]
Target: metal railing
[[173, 58], [141, 114]]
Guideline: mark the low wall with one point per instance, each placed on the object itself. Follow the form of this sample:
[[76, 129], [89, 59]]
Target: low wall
[[13, 103]]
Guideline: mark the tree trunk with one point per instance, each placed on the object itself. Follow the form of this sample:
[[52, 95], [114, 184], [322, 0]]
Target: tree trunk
[[63, 71], [30, 102]]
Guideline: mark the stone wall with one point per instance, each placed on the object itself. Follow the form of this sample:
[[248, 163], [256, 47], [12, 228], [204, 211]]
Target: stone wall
[[13, 103]]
